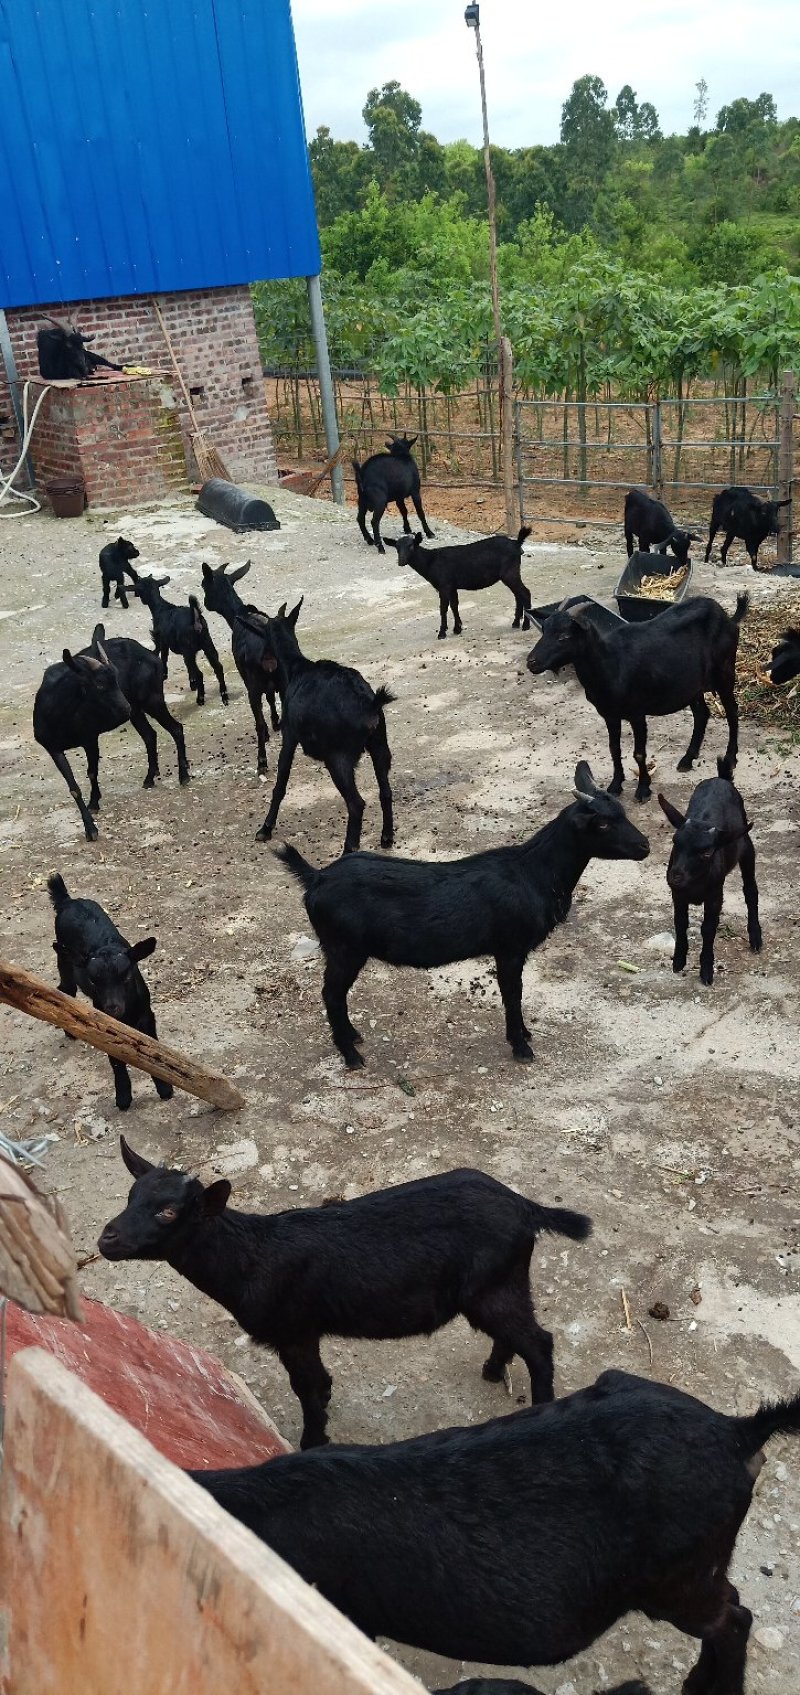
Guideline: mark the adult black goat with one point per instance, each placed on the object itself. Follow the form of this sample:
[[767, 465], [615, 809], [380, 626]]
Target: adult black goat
[[331, 712], [473, 565], [387, 477], [182, 630], [97, 690], [504, 902], [740, 513], [249, 651], [711, 838], [652, 522], [521, 1542], [640, 671], [400, 1262]]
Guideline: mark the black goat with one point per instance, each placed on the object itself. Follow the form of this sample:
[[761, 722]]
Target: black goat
[[522, 1541], [512, 1686], [64, 354], [785, 661], [740, 513], [93, 956], [475, 565], [401, 1262], [115, 561], [249, 651], [640, 671], [95, 691], [711, 837], [333, 715], [504, 902], [652, 522], [182, 630], [387, 477]]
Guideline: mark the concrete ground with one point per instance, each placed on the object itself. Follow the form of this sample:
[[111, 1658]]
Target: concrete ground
[[666, 1110]]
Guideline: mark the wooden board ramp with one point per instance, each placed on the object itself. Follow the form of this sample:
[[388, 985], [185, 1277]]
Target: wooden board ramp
[[28, 994]]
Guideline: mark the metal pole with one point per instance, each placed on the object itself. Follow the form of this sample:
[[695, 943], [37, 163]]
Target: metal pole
[[658, 470], [786, 466], [13, 383], [326, 394], [503, 367]]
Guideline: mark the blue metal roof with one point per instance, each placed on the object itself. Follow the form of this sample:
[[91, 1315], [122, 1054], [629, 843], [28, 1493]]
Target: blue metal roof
[[149, 146]]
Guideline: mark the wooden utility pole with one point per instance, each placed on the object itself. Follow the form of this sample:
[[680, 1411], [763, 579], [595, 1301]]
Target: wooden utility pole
[[29, 994], [786, 465]]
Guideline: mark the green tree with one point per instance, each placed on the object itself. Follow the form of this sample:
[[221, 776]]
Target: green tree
[[588, 138]]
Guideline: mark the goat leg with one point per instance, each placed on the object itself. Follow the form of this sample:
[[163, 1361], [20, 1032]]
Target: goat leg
[[148, 735], [639, 727], [418, 508], [341, 971], [160, 711], [285, 758], [443, 606], [708, 930], [700, 715], [403, 510], [342, 772], [747, 866], [457, 624], [681, 915], [254, 697], [312, 1385], [214, 661], [614, 728], [62, 764], [509, 980], [92, 751]]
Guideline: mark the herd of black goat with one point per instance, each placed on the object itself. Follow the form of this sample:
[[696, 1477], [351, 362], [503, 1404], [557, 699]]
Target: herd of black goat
[[519, 1542]]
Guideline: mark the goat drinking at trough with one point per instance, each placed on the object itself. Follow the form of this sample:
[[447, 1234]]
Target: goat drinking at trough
[[475, 565], [333, 715], [521, 1542], [97, 690], [250, 652], [740, 513], [93, 956], [400, 1262], [182, 630], [640, 671], [115, 561], [385, 478], [711, 838], [652, 522], [504, 902]]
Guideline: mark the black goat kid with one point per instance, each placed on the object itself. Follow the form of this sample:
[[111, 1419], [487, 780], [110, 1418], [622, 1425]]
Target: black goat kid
[[521, 1542], [785, 661], [115, 562], [333, 715], [182, 630], [386, 478], [93, 956], [475, 565], [401, 1262], [711, 838], [653, 524], [250, 654], [504, 902], [639, 671]]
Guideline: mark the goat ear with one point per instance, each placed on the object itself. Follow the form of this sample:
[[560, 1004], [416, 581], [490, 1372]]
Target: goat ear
[[143, 949], [216, 1197], [410, 439], [98, 635], [671, 812], [578, 614], [136, 1164], [295, 612], [207, 572], [281, 612], [585, 785], [68, 660], [161, 582]]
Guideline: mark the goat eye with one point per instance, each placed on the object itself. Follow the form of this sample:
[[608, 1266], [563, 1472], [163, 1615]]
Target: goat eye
[[167, 1215]]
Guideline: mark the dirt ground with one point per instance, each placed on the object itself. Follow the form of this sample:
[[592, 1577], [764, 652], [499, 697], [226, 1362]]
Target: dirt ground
[[665, 1110]]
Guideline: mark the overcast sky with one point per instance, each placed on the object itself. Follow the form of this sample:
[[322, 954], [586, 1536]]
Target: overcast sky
[[533, 53]]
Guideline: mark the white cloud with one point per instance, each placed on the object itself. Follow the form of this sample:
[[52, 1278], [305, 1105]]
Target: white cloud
[[533, 55]]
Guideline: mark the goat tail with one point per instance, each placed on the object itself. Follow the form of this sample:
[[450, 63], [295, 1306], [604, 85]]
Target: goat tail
[[57, 890], [771, 1419], [560, 1221], [356, 473], [384, 697], [524, 533], [742, 606], [294, 862], [725, 769], [197, 612]]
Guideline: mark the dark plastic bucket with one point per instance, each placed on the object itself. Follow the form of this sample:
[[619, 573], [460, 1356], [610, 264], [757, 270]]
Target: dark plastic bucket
[[231, 506], [67, 496], [603, 617]]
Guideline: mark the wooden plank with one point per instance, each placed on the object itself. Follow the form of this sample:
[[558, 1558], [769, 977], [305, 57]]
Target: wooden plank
[[29, 994], [37, 1259]]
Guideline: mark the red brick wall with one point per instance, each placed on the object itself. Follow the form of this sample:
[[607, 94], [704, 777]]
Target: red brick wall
[[214, 336], [122, 436]]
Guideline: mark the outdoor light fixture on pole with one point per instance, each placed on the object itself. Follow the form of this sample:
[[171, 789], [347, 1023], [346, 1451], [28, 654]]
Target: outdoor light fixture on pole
[[472, 19]]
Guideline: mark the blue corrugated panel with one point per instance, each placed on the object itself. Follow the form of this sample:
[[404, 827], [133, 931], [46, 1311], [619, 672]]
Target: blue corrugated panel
[[148, 146]]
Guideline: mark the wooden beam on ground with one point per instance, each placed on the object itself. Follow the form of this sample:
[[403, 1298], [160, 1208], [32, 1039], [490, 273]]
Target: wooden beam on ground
[[37, 1259], [29, 994]]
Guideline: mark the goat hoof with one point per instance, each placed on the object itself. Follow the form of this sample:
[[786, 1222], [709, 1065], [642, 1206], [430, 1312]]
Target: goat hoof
[[183, 775], [707, 975], [356, 1035], [442, 636], [263, 835], [458, 629], [523, 1053], [353, 1059], [224, 699], [643, 794], [387, 841], [150, 779], [615, 787], [684, 764], [678, 965], [491, 1373], [165, 1091], [756, 943], [91, 832], [124, 1104], [308, 1440]]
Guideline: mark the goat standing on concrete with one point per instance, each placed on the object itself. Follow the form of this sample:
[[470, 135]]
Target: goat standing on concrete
[[652, 522], [711, 838], [472, 566], [401, 1262], [93, 956], [387, 477], [333, 715], [504, 902], [639, 671], [740, 513], [182, 630], [250, 654], [521, 1542], [115, 561]]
